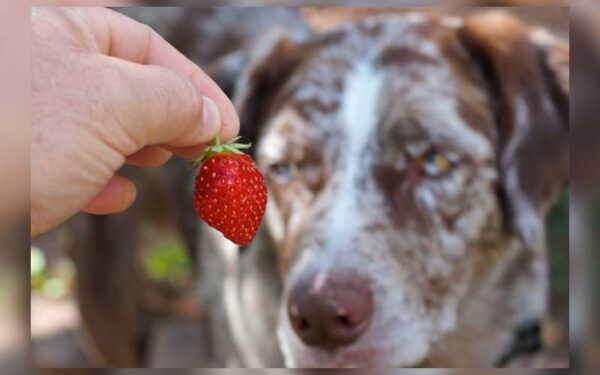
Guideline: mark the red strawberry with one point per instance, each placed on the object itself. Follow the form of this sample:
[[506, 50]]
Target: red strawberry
[[230, 192]]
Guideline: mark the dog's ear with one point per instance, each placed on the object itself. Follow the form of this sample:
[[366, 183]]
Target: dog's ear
[[528, 73], [239, 71], [272, 62]]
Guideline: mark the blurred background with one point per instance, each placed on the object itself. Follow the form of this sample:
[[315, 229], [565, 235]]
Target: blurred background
[[166, 266], [311, 372], [138, 291]]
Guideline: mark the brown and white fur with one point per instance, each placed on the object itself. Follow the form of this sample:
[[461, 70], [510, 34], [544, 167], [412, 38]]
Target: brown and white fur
[[455, 262]]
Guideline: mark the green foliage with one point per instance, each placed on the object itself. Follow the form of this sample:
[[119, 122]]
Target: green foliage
[[51, 281], [168, 262], [38, 267]]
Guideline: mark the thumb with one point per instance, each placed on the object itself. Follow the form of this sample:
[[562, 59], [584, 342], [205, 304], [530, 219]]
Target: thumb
[[166, 89], [155, 105]]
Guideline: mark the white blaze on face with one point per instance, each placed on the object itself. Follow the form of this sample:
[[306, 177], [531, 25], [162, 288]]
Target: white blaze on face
[[358, 116]]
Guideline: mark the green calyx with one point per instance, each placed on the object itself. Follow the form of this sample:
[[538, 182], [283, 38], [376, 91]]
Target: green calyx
[[230, 147]]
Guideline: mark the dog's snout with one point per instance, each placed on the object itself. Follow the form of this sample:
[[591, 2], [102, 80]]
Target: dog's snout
[[331, 309]]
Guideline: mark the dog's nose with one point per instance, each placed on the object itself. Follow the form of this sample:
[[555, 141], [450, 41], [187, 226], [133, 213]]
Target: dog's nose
[[331, 309]]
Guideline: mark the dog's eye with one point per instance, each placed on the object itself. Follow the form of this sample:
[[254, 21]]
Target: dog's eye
[[435, 164], [282, 171]]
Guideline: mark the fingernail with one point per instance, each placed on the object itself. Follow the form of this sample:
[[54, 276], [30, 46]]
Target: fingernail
[[211, 118]]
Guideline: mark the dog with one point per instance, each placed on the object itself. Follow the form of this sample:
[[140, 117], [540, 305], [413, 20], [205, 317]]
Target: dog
[[411, 160]]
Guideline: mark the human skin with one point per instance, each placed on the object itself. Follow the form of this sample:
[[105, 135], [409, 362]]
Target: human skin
[[107, 90]]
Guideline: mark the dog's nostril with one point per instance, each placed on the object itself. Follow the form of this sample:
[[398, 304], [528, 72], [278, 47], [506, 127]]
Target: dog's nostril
[[304, 324], [300, 324], [344, 321]]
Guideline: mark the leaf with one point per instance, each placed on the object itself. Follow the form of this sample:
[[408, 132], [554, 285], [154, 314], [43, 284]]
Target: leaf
[[234, 140], [233, 149], [241, 145]]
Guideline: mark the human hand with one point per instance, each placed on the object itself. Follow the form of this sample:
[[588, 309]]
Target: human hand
[[107, 90]]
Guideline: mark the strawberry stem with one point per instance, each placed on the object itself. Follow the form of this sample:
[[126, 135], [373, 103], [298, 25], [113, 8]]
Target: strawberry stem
[[231, 147]]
